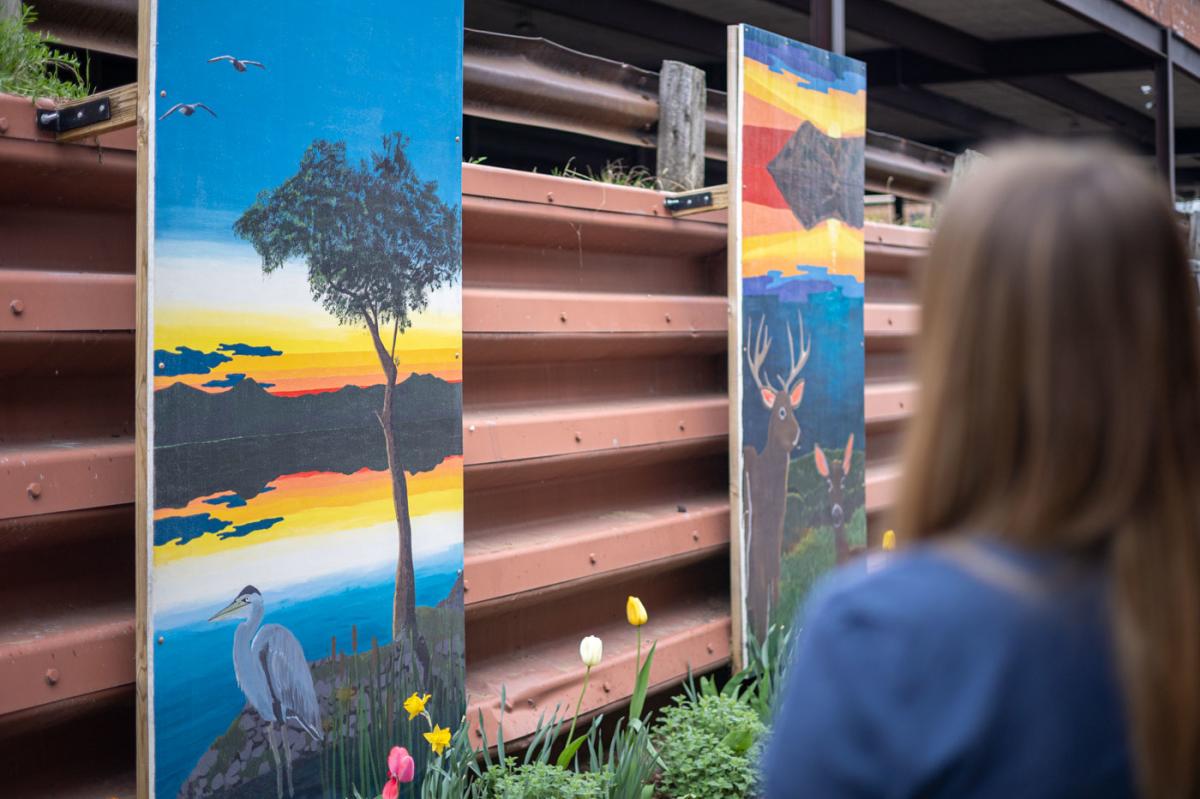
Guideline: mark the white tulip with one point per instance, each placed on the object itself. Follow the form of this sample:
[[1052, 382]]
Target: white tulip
[[591, 649]]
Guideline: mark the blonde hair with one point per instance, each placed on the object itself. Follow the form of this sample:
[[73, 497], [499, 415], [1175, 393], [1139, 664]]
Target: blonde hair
[[1059, 408]]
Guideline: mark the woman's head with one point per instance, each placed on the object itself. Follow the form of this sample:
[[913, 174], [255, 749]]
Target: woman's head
[[1060, 405]]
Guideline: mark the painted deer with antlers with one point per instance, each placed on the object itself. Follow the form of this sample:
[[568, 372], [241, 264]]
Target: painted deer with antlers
[[765, 473]]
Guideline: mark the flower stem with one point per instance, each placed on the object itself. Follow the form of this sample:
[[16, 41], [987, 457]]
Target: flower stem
[[579, 704], [638, 664]]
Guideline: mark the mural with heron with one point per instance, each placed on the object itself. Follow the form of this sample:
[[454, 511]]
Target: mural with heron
[[305, 580], [800, 143]]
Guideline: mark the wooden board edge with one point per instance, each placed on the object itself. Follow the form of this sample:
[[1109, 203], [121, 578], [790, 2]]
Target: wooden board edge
[[124, 107], [734, 357], [141, 382]]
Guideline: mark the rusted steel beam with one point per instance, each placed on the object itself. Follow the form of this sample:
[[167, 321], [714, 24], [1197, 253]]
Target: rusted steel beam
[[525, 348], [889, 402], [536, 681], [882, 482], [492, 221], [577, 549], [44, 661], [890, 320], [36, 300], [521, 311], [532, 81], [54, 477], [538, 433]]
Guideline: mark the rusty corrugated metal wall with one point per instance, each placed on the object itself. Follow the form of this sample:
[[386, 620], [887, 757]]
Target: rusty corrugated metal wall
[[595, 430]]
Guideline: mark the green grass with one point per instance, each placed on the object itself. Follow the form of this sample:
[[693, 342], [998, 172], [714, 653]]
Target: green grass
[[814, 555], [30, 66], [368, 717]]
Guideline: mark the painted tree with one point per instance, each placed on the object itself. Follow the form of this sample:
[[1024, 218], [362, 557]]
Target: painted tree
[[377, 241]]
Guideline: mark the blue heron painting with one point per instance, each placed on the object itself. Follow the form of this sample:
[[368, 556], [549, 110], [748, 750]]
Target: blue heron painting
[[274, 675]]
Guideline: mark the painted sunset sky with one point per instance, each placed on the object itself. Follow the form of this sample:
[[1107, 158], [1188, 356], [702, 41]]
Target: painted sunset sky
[[785, 85], [218, 320], [209, 288]]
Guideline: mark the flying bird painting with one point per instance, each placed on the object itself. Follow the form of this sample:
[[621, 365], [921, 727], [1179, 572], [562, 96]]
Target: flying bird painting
[[302, 426], [187, 109], [239, 64]]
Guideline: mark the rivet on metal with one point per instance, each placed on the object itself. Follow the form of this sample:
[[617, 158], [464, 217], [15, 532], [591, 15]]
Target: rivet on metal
[[549, 196], [17, 307], [51, 676], [695, 535], [683, 426], [709, 647], [530, 702], [163, 93], [3, 124], [466, 586], [458, 138], [162, 640], [470, 428], [578, 436], [592, 557], [457, 355], [34, 490], [607, 688], [668, 318], [563, 316]]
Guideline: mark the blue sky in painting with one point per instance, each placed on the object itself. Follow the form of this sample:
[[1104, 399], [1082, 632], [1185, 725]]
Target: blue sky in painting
[[820, 69], [323, 60]]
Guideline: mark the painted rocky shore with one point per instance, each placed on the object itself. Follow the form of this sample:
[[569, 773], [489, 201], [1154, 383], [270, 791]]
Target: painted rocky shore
[[358, 690]]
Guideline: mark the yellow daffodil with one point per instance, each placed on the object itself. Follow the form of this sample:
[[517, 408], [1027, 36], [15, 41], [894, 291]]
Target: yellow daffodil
[[635, 611], [438, 739], [415, 705], [889, 540]]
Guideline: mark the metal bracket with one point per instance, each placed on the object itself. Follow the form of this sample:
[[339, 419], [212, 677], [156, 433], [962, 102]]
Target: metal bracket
[[74, 116], [688, 202]]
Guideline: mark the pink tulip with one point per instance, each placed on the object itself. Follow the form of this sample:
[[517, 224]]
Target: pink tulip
[[401, 768]]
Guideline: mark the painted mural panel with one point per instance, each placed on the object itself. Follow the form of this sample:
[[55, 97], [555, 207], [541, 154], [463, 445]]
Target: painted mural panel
[[797, 232], [304, 506]]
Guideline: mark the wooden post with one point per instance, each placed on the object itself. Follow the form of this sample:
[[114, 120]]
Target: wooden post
[[681, 102]]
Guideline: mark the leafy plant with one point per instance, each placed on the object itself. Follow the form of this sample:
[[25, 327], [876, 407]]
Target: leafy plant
[[542, 781], [614, 173], [758, 682], [456, 774], [708, 748], [31, 67]]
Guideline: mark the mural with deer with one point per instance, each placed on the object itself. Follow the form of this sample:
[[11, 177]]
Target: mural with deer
[[797, 236], [765, 471]]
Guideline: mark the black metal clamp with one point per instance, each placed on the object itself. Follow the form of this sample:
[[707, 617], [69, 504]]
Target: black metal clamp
[[687, 202], [75, 116]]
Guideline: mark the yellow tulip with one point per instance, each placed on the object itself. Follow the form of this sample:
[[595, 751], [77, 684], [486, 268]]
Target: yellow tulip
[[635, 611], [415, 705], [889, 540], [438, 739]]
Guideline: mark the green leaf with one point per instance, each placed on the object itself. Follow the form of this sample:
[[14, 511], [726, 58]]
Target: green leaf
[[568, 752], [739, 740], [638, 701]]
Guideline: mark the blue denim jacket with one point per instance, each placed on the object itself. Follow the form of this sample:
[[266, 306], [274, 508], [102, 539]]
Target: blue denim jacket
[[960, 670]]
